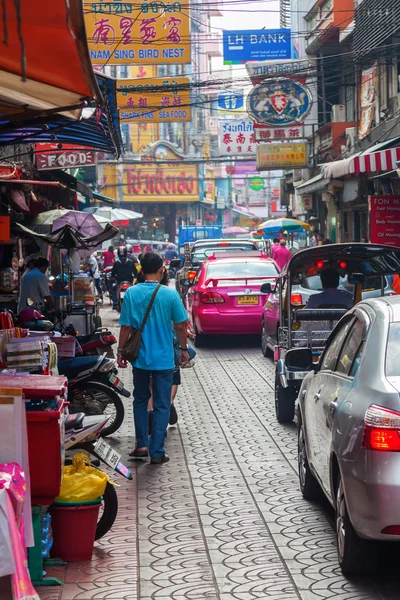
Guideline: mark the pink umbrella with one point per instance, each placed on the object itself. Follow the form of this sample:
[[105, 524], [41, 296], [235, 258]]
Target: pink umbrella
[[235, 230], [84, 222]]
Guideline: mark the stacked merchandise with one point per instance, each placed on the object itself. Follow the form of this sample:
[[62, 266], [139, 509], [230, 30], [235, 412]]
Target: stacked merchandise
[[31, 354], [7, 334]]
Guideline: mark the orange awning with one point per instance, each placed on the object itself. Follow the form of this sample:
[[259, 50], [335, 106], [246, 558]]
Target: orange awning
[[44, 59]]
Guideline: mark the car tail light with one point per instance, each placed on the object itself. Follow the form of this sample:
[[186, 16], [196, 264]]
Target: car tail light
[[211, 298], [342, 264], [382, 429], [191, 275], [392, 530], [320, 264], [223, 244], [296, 299]]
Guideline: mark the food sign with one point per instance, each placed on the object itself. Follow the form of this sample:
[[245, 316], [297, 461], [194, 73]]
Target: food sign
[[278, 102], [147, 33], [156, 100], [236, 138], [62, 156]]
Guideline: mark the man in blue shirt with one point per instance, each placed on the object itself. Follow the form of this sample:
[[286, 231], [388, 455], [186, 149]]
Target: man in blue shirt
[[156, 355], [170, 252]]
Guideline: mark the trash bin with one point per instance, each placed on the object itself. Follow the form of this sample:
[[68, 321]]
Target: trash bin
[[74, 529]]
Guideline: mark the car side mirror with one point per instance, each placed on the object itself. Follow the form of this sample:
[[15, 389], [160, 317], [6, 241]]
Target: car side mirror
[[267, 288], [299, 359], [195, 263]]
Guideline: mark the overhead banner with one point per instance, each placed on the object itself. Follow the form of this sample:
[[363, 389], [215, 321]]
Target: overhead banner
[[260, 44], [268, 134], [279, 102], [384, 220], [145, 33], [230, 101], [368, 98], [52, 156], [301, 68], [157, 100], [281, 156], [236, 138], [129, 182]]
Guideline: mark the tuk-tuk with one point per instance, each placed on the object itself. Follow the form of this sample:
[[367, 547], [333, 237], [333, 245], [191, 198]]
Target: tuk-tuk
[[362, 269]]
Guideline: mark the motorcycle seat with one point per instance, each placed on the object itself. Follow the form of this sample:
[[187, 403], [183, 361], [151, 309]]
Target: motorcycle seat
[[71, 367]]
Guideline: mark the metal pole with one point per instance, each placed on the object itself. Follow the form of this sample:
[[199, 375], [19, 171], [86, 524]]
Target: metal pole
[[323, 89]]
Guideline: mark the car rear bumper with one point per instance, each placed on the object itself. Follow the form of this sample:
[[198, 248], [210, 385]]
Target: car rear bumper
[[373, 498], [213, 322]]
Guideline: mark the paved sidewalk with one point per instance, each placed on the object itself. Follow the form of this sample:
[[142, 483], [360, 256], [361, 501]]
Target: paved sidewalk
[[224, 520]]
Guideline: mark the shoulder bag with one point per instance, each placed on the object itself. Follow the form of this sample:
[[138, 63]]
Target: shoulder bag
[[131, 349]]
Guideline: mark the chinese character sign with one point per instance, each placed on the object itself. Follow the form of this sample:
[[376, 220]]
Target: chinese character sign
[[147, 33], [269, 134], [281, 156], [236, 138], [156, 100]]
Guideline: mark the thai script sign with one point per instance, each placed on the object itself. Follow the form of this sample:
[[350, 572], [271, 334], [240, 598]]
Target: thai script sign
[[301, 68], [154, 100], [281, 156], [384, 220], [131, 182], [145, 33], [263, 44], [279, 102], [51, 156], [269, 134], [236, 138]]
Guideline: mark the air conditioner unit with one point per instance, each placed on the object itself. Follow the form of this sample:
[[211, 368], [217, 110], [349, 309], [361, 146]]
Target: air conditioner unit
[[350, 138], [338, 113]]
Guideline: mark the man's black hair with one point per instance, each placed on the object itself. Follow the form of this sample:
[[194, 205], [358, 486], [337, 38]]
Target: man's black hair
[[110, 249], [151, 262], [41, 262], [276, 240], [329, 278]]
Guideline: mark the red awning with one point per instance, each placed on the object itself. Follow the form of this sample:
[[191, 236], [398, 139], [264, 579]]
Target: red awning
[[44, 59], [368, 162]]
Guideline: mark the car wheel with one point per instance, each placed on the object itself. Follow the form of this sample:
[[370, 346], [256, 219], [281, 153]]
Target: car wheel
[[356, 555], [264, 343], [199, 338], [309, 486], [285, 400]]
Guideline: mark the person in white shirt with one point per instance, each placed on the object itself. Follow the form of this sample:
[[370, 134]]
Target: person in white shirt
[[331, 296], [94, 270], [34, 285]]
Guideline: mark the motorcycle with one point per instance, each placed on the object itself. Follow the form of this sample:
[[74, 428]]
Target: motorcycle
[[107, 282], [122, 288], [95, 388], [83, 433]]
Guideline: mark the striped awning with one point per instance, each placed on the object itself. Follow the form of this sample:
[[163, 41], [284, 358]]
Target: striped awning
[[368, 162]]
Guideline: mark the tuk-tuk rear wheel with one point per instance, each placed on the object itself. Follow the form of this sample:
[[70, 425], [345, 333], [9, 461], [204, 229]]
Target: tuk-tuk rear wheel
[[285, 400]]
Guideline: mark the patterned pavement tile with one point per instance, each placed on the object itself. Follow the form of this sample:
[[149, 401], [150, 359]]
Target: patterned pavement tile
[[224, 519]]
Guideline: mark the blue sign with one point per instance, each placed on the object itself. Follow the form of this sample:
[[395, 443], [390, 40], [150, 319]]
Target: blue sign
[[261, 44], [230, 101], [279, 102]]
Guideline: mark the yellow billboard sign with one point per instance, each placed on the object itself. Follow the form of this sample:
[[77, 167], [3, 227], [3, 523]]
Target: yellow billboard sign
[[130, 182], [157, 100], [145, 33], [281, 156]]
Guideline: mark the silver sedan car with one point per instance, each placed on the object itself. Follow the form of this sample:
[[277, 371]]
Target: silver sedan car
[[349, 430]]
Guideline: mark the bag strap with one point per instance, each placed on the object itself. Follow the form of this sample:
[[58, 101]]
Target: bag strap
[[150, 306]]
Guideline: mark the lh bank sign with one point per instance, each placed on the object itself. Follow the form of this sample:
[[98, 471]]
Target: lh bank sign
[[262, 44]]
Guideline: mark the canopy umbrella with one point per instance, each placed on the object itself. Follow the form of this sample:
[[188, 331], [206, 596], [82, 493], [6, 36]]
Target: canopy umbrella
[[115, 214], [68, 237], [84, 223], [235, 230], [275, 225], [48, 217]]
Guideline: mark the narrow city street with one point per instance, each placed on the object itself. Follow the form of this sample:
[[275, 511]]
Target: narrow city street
[[224, 519]]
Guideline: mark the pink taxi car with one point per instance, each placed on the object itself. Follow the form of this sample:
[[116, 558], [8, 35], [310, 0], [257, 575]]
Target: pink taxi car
[[226, 298]]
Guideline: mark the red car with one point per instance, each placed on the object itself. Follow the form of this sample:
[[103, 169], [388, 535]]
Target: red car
[[226, 298]]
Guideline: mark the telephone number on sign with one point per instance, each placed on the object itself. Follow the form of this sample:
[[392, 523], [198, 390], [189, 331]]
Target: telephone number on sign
[[172, 114]]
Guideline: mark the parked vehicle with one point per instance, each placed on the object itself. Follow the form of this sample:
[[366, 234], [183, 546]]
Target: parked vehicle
[[288, 323], [226, 297], [82, 433], [95, 388], [191, 233], [349, 429], [197, 253]]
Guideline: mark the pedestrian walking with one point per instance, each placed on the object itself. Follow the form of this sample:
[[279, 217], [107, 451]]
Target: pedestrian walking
[[156, 354], [282, 255], [313, 240]]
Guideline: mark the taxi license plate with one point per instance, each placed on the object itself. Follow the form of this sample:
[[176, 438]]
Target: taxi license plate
[[247, 300], [107, 453]]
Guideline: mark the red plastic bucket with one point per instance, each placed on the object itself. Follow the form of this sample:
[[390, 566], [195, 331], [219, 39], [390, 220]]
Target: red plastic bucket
[[74, 530]]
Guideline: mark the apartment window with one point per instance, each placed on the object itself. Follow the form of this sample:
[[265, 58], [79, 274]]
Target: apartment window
[[350, 97], [123, 71]]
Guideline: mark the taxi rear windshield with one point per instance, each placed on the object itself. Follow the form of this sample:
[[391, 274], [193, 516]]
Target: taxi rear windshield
[[392, 351], [260, 268], [204, 252]]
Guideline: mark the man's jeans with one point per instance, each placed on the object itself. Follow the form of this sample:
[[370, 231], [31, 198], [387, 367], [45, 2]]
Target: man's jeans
[[162, 388]]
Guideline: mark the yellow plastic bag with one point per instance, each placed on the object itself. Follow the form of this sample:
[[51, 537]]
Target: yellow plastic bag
[[82, 482]]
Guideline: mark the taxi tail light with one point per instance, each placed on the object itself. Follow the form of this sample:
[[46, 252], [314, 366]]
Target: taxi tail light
[[392, 530], [296, 299], [211, 298], [225, 244], [381, 429]]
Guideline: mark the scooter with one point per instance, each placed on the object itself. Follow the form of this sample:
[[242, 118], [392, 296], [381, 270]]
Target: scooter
[[83, 433], [95, 387]]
